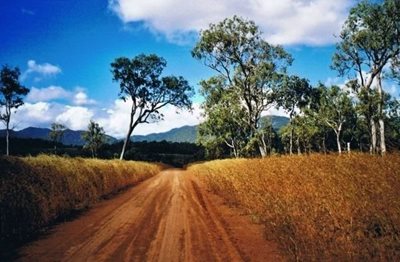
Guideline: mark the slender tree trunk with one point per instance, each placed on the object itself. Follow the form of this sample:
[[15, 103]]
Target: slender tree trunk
[[291, 134], [298, 146], [291, 141], [338, 131], [8, 138], [380, 114], [235, 153], [126, 142], [324, 144], [263, 147], [338, 143], [128, 135], [373, 136], [232, 147], [262, 151]]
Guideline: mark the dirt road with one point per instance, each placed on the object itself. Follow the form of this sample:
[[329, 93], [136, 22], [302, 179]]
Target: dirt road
[[170, 217]]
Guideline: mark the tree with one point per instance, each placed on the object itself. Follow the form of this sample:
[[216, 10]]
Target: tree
[[236, 51], [11, 97], [370, 41], [94, 137], [294, 94], [266, 135], [142, 85], [224, 120], [335, 110], [56, 134]]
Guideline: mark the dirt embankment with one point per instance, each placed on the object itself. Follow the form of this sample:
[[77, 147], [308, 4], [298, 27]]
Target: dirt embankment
[[169, 217]]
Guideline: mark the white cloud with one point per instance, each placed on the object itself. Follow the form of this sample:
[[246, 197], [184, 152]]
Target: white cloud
[[75, 117], [47, 94], [40, 114], [44, 70], [116, 120], [286, 22], [81, 98], [275, 112]]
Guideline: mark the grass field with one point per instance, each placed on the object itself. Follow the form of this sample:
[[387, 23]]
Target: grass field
[[317, 207], [35, 191]]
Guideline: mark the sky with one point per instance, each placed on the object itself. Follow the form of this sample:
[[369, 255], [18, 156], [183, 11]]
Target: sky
[[64, 49]]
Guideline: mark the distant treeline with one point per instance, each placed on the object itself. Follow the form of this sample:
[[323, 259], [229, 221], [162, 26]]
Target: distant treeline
[[176, 154]]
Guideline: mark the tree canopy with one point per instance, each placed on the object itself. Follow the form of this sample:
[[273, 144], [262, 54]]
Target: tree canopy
[[143, 86], [250, 66], [11, 96]]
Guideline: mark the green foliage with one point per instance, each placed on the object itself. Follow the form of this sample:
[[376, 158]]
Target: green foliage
[[141, 83], [294, 93], [248, 68], [56, 134], [11, 96], [94, 137], [369, 43], [225, 119], [335, 110]]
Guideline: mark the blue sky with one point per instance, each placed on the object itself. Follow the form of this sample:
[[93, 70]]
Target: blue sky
[[64, 49]]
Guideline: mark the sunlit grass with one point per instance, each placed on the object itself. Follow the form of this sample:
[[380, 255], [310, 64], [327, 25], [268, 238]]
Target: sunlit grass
[[34, 191], [318, 207]]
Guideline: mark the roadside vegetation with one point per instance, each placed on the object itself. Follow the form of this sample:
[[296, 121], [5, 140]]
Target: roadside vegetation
[[36, 191], [317, 207]]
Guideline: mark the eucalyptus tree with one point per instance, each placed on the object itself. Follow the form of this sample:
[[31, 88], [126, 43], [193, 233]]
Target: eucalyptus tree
[[293, 95], [94, 137], [11, 97], [369, 43], [335, 110], [224, 120], [147, 91], [235, 50], [56, 134]]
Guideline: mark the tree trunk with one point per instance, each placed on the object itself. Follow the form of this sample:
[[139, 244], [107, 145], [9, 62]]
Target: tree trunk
[[339, 147], [382, 136], [262, 151], [380, 115], [298, 146], [128, 135], [126, 142], [8, 138], [263, 147], [373, 136], [324, 144], [291, 141]]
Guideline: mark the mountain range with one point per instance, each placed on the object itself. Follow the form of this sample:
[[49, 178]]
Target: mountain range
[[180, 134]]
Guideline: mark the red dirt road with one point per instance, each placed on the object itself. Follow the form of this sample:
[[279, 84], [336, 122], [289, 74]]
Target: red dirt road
[[170, 217]]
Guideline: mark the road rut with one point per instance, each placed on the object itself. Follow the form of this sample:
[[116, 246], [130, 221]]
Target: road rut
[[169, 217]]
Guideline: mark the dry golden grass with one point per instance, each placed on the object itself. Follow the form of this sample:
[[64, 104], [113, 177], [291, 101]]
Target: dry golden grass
[[317, 207], [35, 191]]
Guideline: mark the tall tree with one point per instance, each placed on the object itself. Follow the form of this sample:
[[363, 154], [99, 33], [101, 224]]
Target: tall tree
[[235, 49], [335, 110], [224, 120], [294, 94], [94, 137], [11, 97], [369, 42], [56, 134], [141, 84]]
